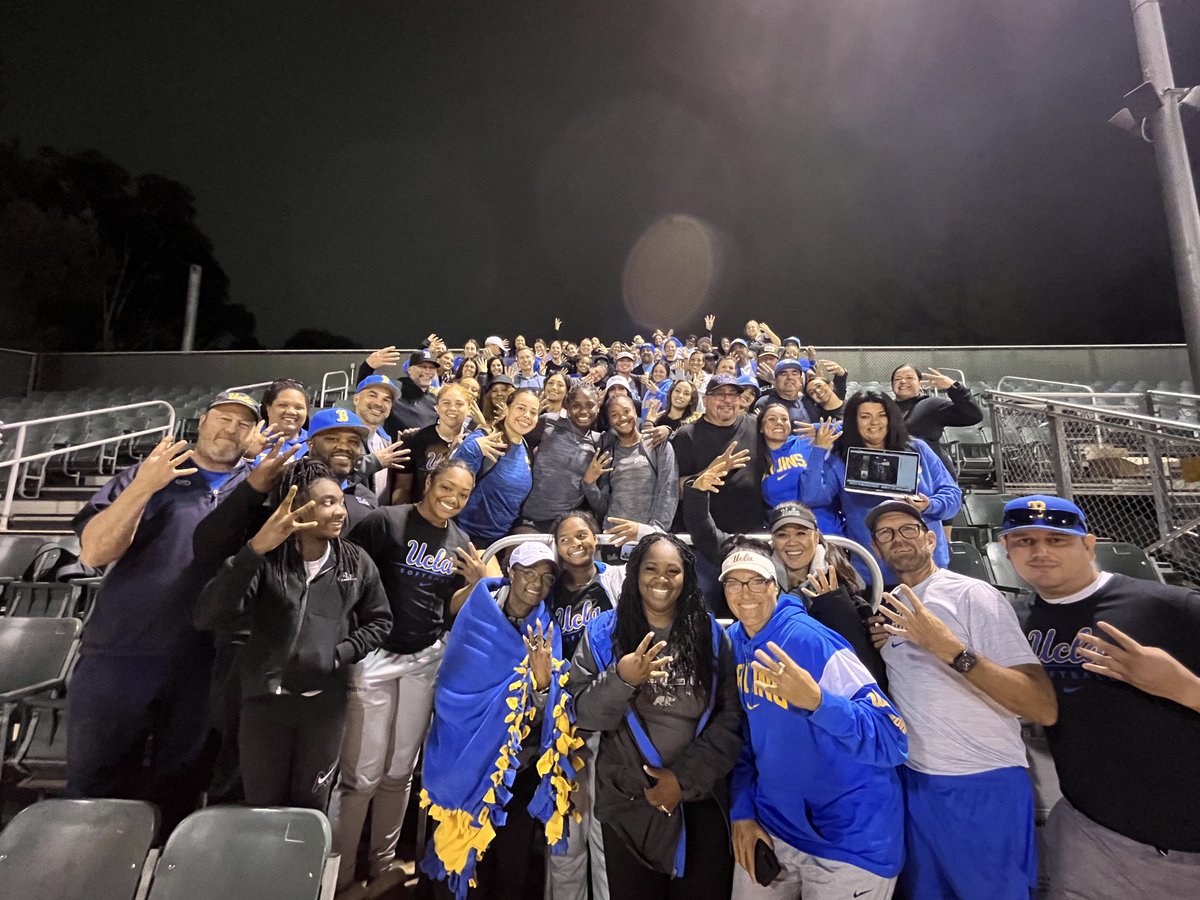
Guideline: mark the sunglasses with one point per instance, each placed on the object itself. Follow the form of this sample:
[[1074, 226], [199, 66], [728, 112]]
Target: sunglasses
[[1055, 518]]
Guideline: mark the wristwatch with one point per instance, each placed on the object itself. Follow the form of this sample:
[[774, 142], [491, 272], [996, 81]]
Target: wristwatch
[[964, 662]]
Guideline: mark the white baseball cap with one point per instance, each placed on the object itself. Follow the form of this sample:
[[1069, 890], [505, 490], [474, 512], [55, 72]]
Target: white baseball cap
[[531, 553], [495, 342]]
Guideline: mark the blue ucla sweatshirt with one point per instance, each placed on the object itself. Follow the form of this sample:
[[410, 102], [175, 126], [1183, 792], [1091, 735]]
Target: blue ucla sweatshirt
[[823, 781], [796, 472]]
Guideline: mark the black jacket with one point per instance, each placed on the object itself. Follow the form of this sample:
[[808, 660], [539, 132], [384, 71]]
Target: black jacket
[[841, 611], [414, 408], [601, 699], [927, 416], [303, 636]]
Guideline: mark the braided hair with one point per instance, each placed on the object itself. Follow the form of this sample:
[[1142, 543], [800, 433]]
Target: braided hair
[[302, 475], [690, 643]]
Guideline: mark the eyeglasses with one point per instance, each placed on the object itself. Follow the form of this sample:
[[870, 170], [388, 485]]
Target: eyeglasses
[[530, 575], [909, 530], [1055, 518], [754, 585]]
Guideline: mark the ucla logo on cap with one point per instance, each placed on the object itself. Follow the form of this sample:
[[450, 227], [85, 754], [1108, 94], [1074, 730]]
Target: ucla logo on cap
[[1039, 505], [343, 416], [240, 397]]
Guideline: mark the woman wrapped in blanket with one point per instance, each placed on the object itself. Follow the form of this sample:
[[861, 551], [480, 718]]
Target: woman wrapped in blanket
[[501, 755], [655, 678]]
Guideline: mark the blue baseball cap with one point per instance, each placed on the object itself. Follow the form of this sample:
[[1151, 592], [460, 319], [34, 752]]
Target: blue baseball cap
[[784, 364], [1044, 512], [793, 340], [380, 380], [647, 346], [336, 419]]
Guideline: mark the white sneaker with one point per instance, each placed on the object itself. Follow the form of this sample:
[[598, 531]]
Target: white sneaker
[[395, 874]]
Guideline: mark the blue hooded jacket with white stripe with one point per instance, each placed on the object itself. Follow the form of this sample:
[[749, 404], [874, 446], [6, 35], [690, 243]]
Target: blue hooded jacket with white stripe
[[823, 781]]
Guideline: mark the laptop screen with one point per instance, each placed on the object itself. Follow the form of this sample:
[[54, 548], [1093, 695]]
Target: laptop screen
[[892, 472]]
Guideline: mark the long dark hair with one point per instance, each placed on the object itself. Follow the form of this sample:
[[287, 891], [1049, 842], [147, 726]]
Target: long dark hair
[[302, 475], [692, 403], [897, 437], [690, 643]]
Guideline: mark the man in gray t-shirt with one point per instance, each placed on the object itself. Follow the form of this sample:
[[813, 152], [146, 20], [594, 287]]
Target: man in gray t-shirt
[[961, 672]]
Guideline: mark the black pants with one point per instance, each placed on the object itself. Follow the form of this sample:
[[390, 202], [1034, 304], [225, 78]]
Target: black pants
[[707, 872], [224, 711], [289, 748], [514, 866]]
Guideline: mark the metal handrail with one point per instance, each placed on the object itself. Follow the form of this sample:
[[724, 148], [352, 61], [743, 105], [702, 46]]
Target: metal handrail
[[1070, 384], [247, 388], [22, 428], [853, 547], [1136, 418], [340, 390]]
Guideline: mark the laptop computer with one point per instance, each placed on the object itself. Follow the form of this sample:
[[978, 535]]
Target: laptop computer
[[884, 473]]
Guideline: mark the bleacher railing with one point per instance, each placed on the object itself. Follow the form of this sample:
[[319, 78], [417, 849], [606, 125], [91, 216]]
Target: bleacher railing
[[20, 460], [335, 387], [1136, 476], [874, 589]]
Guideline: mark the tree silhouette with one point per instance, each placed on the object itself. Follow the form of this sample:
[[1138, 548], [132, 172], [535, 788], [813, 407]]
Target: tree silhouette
[[93, 258]]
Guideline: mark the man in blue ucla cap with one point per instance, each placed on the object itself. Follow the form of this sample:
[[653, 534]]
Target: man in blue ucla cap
[[1123, 655], [373, 399]]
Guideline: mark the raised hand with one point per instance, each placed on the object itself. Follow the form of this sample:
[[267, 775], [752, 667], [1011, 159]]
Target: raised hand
[[652, 410], [831, 368], [469, 564], [475, 412], [712, 479], [512, 371], [557, 324], [393, 456], [540, 648], [165, 463], [1149, 669], [643, 663], [656, 435], [601, 464], [270, 468], [826, 435], [819, 583], [260, 439], [384, 358], [623, 531], [283, 523], [492, 445], [918, 625], [937, 379], [786, 678], [709, 321]]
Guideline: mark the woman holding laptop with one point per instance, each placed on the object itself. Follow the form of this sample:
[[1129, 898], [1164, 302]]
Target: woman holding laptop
[[875, 459]]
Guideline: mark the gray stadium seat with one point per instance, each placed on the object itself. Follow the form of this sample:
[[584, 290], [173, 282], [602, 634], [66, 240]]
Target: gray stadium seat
[[35, 654], [43, 599], [1003, 573], [965, 559], [76, 850], [231, 852], [1127, 559], [984, 511]]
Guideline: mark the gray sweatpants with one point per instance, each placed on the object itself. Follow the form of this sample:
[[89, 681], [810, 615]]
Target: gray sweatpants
[[388, 711], [1086, 861], [814, 877], [567, 873]]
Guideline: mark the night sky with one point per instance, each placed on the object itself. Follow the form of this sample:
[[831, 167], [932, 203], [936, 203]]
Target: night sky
[[844, 169]]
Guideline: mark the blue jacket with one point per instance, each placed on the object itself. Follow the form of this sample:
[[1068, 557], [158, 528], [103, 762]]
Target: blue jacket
[[824, 781], [796, 472], [933, 480], [499, 492]]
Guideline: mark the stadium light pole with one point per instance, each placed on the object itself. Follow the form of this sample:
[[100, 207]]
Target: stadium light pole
[[193, 306], [1174, 171]]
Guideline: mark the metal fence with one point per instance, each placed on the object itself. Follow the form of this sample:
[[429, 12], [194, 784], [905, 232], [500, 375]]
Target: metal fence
[[1136, 477]]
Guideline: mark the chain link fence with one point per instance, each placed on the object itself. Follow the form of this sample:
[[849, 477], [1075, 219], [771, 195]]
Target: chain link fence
[[1137, 478]]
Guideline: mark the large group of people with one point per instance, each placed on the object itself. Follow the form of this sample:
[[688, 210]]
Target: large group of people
[[302, 603]]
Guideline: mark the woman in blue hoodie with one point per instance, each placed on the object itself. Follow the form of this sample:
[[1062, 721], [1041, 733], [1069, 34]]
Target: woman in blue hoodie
[[874, 421], [833, 823]]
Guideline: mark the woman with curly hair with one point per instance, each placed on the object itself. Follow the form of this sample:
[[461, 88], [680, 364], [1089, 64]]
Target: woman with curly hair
[[655, 678]]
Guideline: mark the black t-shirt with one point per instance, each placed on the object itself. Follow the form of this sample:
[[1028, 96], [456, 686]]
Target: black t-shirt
[[572, 610], [1125, 759], [738, 508], [415, 561], [427, 449]]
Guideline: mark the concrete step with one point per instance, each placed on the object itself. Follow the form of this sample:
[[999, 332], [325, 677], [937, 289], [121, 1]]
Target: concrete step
[[48, 506], [55, 525]]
